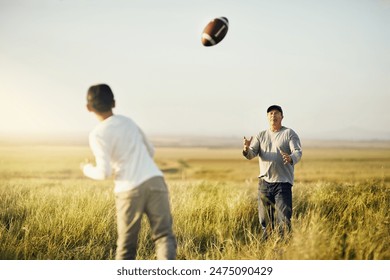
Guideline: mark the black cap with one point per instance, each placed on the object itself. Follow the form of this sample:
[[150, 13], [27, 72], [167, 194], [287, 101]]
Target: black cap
[[275, 107]]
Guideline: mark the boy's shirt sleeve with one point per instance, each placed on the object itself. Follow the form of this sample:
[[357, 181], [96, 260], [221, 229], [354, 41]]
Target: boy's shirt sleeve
[[101, 150], [147, 144]]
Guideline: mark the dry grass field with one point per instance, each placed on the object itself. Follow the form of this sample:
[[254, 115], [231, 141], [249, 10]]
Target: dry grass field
[[341, 197]]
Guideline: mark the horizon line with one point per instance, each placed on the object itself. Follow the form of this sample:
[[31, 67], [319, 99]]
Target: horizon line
[[191, 141]]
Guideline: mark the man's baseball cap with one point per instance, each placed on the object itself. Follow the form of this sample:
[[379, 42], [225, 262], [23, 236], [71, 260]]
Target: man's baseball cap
[[275, 107]]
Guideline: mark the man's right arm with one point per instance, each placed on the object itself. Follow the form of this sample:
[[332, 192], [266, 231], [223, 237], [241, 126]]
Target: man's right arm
[[253, 150]]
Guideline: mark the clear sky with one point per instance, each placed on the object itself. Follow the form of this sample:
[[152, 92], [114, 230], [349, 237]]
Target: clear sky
[[327, 63]]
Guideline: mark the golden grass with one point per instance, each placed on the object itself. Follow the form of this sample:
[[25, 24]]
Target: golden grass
[[48, 210]]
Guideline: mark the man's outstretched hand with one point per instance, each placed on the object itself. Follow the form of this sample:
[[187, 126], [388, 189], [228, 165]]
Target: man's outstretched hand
[[286, 158], [247, 143]]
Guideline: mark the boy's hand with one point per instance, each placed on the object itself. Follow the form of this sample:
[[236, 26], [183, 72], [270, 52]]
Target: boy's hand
[[84, 163]]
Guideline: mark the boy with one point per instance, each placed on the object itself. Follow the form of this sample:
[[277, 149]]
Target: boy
[[120, 147]]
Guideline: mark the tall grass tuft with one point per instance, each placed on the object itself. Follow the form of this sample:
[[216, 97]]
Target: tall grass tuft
[[52, 220]]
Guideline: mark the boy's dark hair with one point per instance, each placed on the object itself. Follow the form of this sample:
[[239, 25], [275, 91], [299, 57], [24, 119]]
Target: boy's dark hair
[[101, 98]]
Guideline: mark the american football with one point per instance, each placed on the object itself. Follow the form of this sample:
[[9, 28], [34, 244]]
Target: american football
[[215, 31]]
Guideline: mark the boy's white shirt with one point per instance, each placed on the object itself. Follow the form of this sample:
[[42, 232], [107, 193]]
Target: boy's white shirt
[[121, 148]]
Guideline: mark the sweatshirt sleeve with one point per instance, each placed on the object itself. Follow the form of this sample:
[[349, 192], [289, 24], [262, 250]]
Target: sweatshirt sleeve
[[101, 151], [254, 149], [295, 147]]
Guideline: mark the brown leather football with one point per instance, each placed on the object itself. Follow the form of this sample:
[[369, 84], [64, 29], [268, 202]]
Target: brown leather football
[[215, 31]]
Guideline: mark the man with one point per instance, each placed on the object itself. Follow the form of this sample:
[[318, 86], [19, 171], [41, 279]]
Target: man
[[279, 149], [120, 147]]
